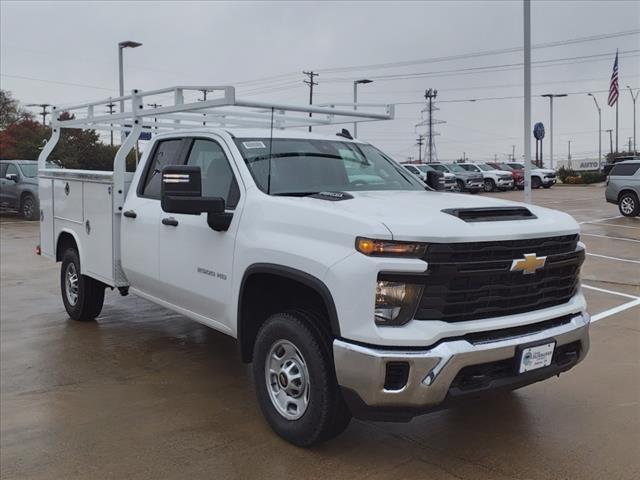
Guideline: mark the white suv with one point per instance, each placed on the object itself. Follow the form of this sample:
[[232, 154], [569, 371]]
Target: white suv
[[493, 178]]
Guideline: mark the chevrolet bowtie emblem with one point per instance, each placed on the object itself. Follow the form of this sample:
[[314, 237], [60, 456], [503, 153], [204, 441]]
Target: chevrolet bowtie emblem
[[529, 264]]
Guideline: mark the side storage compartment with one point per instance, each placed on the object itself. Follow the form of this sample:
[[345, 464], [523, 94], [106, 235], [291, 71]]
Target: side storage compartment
[[98, 223], [67, 200], [47, 238]]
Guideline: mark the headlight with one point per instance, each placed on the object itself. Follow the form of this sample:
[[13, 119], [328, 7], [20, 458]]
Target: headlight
[[390, 248], [396, 302]]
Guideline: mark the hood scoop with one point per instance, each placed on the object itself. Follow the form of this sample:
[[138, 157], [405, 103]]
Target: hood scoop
[[491, 214]]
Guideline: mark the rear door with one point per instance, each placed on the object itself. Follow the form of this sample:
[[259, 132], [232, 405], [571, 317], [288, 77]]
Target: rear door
[[196, 262], [141, 219]]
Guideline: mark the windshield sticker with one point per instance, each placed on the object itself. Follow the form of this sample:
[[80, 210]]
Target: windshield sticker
[[250, 145]]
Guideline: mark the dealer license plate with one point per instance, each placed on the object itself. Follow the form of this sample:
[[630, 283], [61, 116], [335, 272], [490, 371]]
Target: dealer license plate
[[537, 356]]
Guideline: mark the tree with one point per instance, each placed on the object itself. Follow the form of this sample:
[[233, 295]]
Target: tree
[[23, 140], [10, 110]]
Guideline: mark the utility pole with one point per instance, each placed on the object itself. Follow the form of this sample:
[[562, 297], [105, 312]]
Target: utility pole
[[311, 75], [513, 153], [420, 142], [44, 112], [111, 107], [634, 98], [610, 141]]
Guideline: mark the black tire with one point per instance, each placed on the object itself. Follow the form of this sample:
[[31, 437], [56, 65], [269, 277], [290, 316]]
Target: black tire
[[460, 186], [628, 204], [29, 207], [536, 182], [547, 185], [489, 185], [89, 293], [326, 414]]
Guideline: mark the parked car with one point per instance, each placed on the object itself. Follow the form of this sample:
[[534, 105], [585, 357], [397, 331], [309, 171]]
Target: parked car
[[516, 174], [540, 177], [19, 187], [471, 182], [421, 170], [606, 168], [493, 178], [351, 296], [623, 187]]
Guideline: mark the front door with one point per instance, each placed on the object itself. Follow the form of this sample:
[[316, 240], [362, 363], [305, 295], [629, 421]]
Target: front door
[[9, 188], [196, 262], [141, 215]]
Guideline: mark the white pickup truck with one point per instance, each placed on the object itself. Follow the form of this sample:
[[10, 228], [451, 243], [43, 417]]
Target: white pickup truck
[[308, 250]]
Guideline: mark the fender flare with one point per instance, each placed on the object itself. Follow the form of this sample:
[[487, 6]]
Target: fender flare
[[293, 274], [75, 238]]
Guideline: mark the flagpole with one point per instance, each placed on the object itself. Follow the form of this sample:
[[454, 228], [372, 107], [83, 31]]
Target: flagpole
[[617, 99]]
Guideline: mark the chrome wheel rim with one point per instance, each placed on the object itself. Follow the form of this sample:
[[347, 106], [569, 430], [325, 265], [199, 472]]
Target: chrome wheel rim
[[627, 205], [71, 284], [287, 379], [487, 186], [27, 208]]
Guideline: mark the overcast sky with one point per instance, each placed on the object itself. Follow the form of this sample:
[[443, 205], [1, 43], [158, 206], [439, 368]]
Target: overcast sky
[[62, 52]]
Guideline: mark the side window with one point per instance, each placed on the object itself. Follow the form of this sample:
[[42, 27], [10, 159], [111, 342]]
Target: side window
[[625, 170], [166, 153], [217, 177], [3, 169], [11, 169]]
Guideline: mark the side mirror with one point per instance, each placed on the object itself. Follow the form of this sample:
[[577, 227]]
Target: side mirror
[[435, 180], [12, 176]]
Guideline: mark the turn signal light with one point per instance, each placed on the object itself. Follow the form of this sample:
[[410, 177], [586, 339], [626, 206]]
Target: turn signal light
[[390, 248], [38, 250]]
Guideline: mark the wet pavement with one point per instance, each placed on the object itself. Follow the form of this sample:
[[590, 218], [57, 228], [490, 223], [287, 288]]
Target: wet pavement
[[144, 393]]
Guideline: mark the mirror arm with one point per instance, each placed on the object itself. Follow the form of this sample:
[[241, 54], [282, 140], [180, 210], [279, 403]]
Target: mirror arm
[[219, 222]]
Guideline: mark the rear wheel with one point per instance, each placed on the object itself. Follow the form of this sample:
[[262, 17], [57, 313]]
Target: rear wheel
[[82, 296], [628, 204], [489, 185], [29, 207], [295, 380]]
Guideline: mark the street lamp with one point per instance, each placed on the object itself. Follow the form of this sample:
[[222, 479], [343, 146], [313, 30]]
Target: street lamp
[[599, 131], [355, 101], [551, 96], [122, 46], [634, 98]]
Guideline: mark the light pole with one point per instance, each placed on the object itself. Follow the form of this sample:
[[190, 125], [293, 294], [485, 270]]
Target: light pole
[[599, 131], [551, 96], [634, 98], [122, 46], [355, 100]]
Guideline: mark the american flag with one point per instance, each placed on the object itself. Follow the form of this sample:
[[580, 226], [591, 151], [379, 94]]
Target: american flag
[[613, 88]]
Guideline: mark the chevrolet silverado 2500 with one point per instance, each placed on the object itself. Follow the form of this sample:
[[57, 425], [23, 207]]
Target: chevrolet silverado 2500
[[307, 249]]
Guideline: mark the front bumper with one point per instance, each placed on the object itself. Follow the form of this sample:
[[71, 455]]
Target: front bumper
[[361, 371], [549, 180], [504, 183]]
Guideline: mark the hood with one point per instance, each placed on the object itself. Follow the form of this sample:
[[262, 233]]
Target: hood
[[545, 170], [418, 216], [466, 174]]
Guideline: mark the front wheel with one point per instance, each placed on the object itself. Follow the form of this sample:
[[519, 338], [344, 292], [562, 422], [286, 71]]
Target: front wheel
[[536, 182], [29, 207], [489, 185], [628, 205], [82, 296], [295, 380], [459, 186]]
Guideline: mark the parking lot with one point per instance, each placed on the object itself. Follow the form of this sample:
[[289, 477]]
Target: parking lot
[[145, 393]]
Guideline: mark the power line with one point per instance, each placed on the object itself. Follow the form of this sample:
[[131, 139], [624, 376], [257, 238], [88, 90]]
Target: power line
[[463, 56]]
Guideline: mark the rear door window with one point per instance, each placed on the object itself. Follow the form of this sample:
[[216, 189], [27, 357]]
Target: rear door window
[[625, 170]]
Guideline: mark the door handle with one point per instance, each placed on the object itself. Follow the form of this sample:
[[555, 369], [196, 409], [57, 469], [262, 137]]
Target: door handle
[[130, 214], [170, 221]]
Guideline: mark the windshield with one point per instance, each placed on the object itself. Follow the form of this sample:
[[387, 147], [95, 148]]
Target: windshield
[[306, 166], [469, 168], [424, 168], [29, 169], [505, 167], [440, 168], [485, 167], [455, 167]]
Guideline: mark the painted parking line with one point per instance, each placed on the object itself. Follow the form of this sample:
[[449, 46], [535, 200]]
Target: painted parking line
[[613, 258], [612, 311], [614, 225], [601, 219], [607, 236]]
